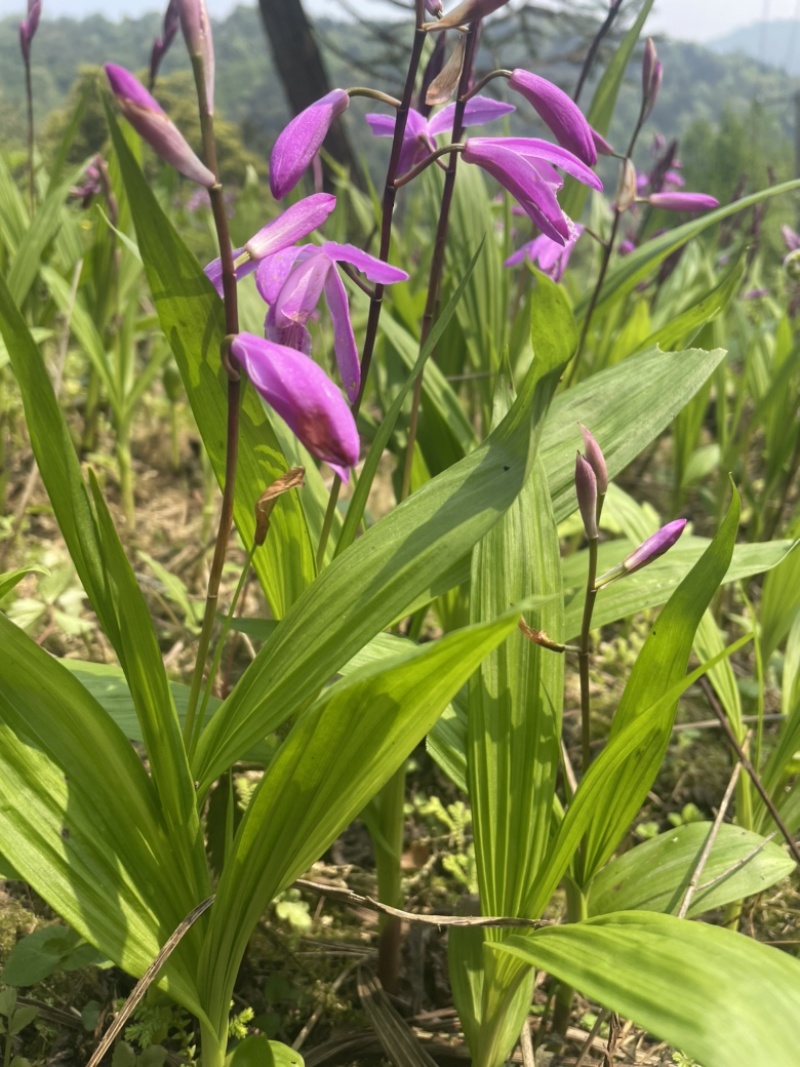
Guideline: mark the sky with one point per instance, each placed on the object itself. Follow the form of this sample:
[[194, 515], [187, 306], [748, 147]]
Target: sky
[[690, 20]]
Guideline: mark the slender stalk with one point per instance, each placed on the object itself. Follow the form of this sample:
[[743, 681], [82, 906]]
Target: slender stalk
[[609, 248], [234, 393], [387, 210], [437, 261], [583, 655], [591, 55], [29, 97]]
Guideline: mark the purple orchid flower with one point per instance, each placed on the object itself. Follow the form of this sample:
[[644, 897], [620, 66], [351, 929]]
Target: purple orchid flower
[[292, 282], [525, 166], [291, 225], [683, 201], [559, 112], [151, 122], [550, 256], [418, 140], [300, 141], [28, 28], [305, 398]]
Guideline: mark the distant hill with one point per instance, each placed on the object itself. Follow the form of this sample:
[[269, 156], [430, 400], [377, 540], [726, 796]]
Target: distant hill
[[775, 44]]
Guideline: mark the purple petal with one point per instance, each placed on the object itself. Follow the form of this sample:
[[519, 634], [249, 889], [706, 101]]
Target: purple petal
[[304, 397], [523, 182], [551, 256], [301, 291], [601, 144], [683, 201], [535, 148], [300, 141], [559, 112], [272, 271], [151, 123], [654, 546], [479, 110], [375, 269], [295, 222], [596, 460], [381, 125], [344, 342], [296, 336], [790, 238], [213, 271]]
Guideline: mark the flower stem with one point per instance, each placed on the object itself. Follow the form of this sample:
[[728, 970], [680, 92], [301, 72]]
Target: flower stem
[[591, 55], [583, 655], [234, 393], [376, 302], [29, 97], [437, 261]]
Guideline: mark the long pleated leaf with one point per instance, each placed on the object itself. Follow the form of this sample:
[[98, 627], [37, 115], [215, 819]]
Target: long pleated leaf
[[718, 996]]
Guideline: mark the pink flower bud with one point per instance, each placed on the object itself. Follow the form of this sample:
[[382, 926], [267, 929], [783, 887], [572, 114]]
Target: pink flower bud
[[596, 461], [651, 549], [300, 141], [151, 122], [652, 72], [28, 27], [683, 201], [586, 492]]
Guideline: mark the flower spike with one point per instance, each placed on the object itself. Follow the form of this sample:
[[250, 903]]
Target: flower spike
[[151, 122]]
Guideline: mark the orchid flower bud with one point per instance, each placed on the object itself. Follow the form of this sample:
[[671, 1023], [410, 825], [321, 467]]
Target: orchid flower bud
[[28, 27], [652, 72], [151, 122], [596, 460], [196, 27], [162, 44], [601, 144], [683, 201], [469, 11], [300, 141], [559, 112], [298, 390], [626, 187], [651, 549], [586, 492]]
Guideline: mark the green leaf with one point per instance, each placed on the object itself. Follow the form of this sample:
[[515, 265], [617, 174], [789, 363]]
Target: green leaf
[[653, 876], [684, 328], [191, 316], [374, 581], [337, 755], [38, 236], [12, 578], [682, 981], [109, 581], [40, 954], [71, 788], [634, 268]]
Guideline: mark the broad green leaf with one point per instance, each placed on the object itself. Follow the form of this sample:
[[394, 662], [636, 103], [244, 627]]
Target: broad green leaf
[[653, 876], [257, 1051], [780, 602], [109, 581], [48, 949], [191, 316], [71, 789], [633, 268], [682, 981], [40, 233], [108, 686], [685, 327], [337, 756], [374, 581], [12, 578]]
